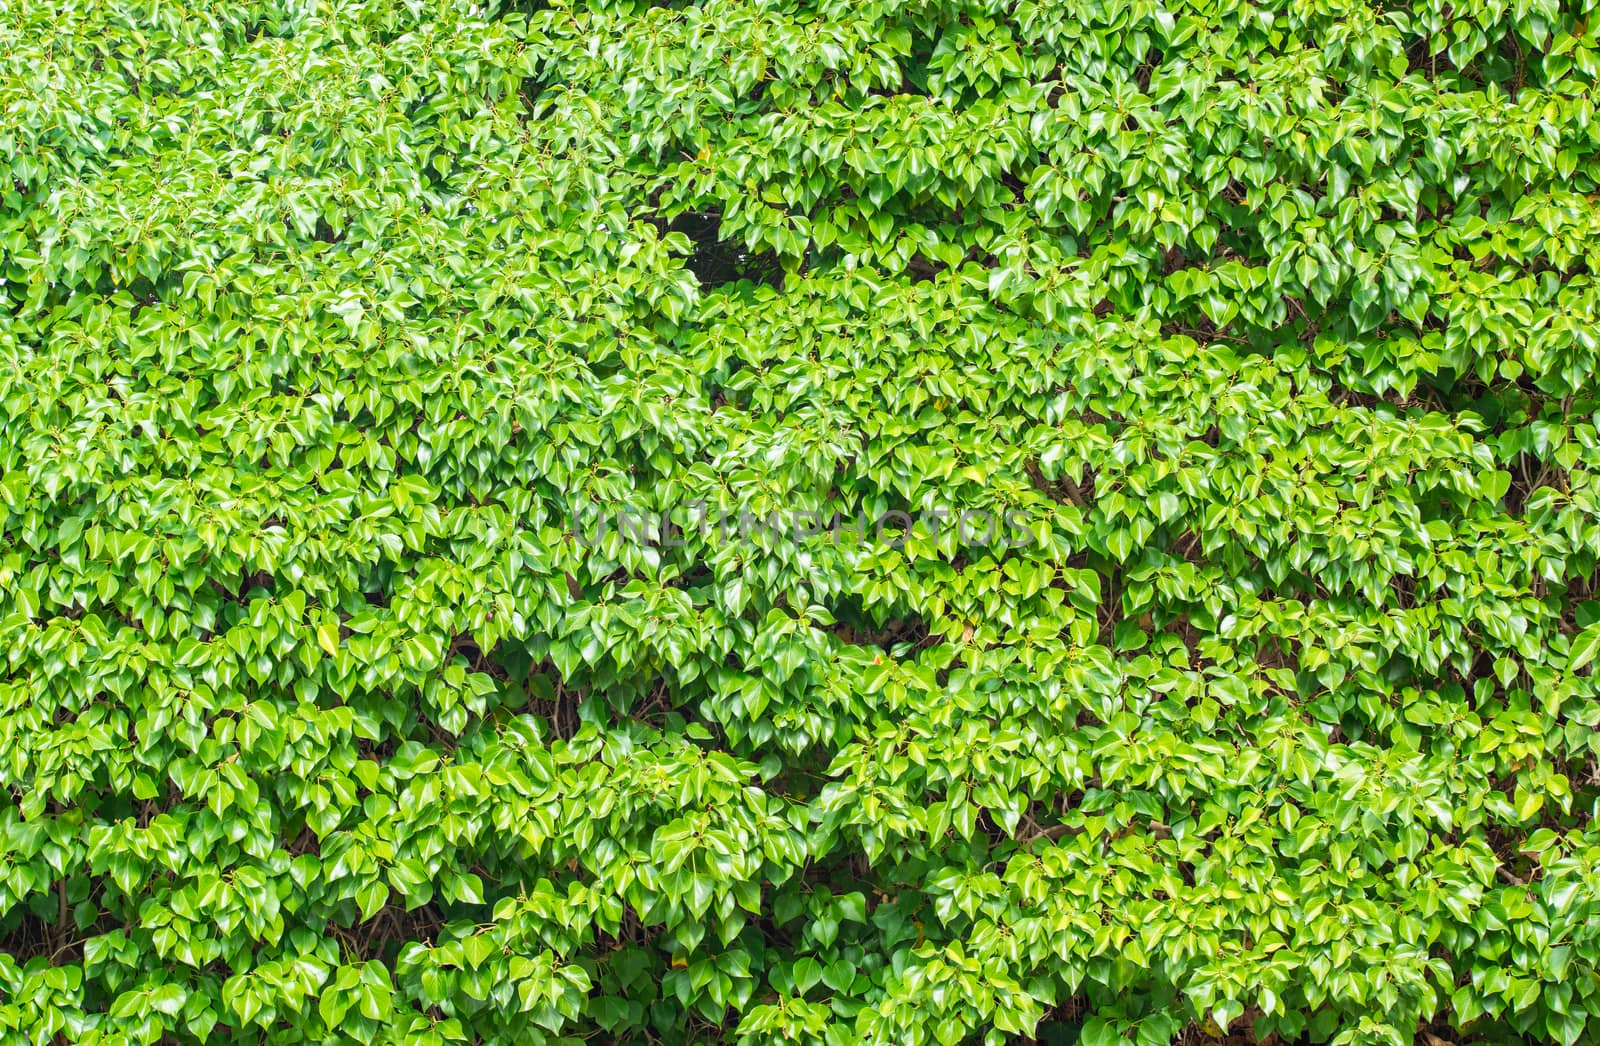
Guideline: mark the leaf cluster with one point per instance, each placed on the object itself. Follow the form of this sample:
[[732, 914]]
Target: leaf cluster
[[324, 323]]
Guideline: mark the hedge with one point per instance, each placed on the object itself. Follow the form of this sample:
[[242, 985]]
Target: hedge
[[948, 521]]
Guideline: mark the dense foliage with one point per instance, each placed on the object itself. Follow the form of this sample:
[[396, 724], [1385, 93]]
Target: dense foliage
[[334, 332]]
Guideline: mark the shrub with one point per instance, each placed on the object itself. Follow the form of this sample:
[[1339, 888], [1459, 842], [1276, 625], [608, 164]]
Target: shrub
[[798, 520]]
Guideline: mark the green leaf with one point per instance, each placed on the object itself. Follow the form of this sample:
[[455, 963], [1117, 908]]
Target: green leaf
[[1584, 648]]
